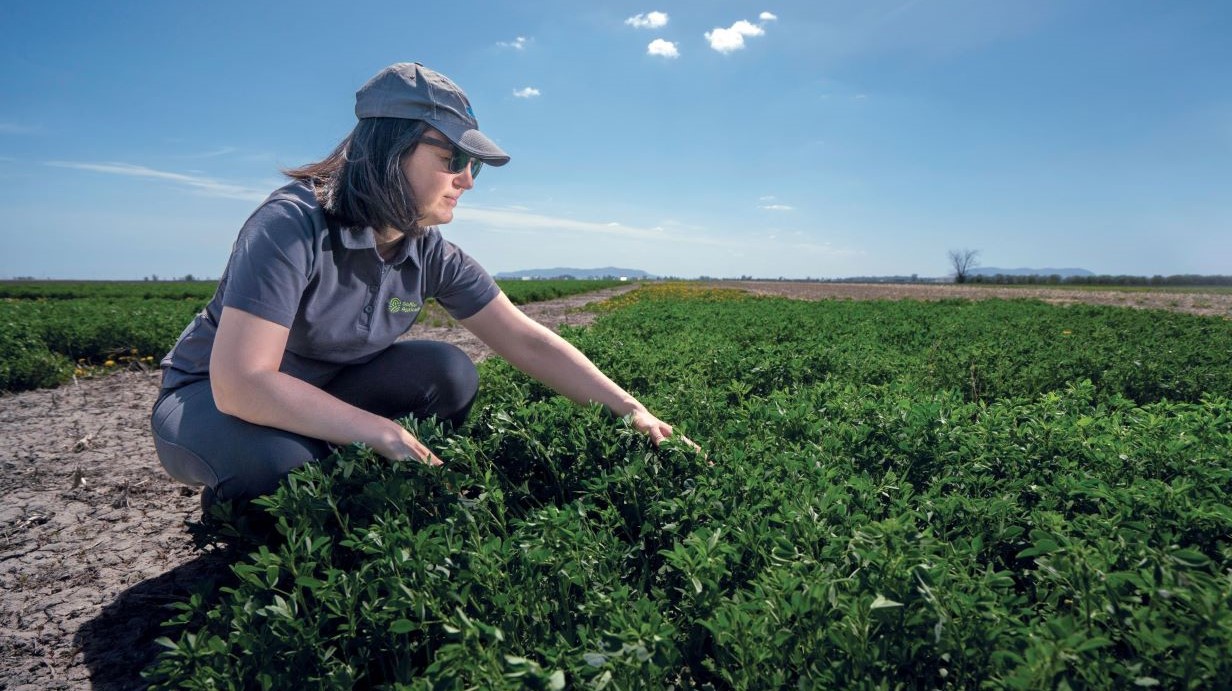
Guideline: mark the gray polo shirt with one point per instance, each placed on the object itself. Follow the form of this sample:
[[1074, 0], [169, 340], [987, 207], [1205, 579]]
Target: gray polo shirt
[[341, 301]]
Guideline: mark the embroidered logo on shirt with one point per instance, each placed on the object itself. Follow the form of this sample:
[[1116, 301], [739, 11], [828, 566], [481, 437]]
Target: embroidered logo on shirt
[[397, 305]]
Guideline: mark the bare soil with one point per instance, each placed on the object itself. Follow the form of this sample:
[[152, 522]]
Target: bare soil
[[1206, 304], [93, 538]]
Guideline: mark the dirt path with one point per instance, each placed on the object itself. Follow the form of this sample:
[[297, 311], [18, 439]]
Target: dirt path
[[92, 538]]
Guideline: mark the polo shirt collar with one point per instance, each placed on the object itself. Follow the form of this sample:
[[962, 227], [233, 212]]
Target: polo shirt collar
[[365, 239]]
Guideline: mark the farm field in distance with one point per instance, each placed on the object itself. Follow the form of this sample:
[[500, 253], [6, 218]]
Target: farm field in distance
[[939, 491], [51, 331], [1209, 301]]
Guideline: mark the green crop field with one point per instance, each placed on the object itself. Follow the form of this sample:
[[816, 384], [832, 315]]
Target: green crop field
[[996, 494], [53, 330]]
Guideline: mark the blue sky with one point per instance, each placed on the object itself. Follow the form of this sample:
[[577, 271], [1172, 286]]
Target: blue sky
[[809, 138]]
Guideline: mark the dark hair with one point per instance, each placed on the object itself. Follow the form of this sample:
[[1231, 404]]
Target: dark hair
[[361, 182]]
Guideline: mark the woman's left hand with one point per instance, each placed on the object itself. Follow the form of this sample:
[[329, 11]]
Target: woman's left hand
[[658, 430], [544, 355]]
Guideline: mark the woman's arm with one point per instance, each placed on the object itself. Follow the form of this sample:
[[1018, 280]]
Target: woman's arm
[[541, 353], [246, 383]]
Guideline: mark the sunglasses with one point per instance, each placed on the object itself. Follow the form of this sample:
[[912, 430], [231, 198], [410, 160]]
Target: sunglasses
[[459, 160]]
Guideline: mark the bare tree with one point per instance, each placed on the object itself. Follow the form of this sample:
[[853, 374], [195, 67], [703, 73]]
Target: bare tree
[[963, 262]]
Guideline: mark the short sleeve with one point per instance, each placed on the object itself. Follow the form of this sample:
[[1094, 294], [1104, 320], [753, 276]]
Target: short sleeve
[[457, 281], [271, 263]]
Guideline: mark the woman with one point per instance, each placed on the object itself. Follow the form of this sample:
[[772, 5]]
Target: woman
[[298, 348]]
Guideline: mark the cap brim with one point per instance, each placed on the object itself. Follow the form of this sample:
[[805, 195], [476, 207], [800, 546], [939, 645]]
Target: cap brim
[[473, 142]]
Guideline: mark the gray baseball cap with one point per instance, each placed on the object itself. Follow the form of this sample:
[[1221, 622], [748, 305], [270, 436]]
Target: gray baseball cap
[[410, 90]]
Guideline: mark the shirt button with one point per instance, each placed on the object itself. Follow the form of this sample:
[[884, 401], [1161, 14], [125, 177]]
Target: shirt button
[[368, 309]]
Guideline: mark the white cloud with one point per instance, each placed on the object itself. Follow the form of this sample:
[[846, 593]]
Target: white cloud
[[521, 239], [777, 207], [650, 20], [662, 48], [205, 185], [518, 43], [767, 16], [213, 153], [516, 220], [732, 38], [747, 28], [14, 128], [528, 92], [513, 219]]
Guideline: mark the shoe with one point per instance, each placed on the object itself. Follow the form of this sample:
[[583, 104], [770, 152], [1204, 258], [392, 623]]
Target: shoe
[[207, 500]]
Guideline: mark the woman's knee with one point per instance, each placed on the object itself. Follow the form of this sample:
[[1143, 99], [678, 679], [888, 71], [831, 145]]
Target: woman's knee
[[460, 382], [271, 458], [198, 445], [419, 378]]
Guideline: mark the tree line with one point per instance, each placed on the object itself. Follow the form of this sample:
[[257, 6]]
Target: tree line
[[1104, 280], [965, 261]]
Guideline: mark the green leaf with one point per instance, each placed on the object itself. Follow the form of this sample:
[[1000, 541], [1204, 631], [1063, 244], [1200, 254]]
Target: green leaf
[[1189, 557], [1092, 644], [403, 626], [882, 602], [1040, 548]]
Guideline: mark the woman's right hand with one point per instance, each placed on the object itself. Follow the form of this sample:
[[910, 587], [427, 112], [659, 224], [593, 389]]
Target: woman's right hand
[[399, 444], [247, 382]]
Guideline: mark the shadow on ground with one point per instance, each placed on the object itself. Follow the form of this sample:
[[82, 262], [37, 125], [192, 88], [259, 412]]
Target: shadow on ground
[[119, 642]]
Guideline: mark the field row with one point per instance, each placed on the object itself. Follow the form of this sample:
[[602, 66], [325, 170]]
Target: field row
[[50, 331]]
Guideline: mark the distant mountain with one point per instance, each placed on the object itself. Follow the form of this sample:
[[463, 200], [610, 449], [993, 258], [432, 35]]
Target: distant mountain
[[565, 272], [1063, 273]]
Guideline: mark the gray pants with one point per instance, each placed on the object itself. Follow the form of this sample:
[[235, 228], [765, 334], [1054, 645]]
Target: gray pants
[[198, 445]]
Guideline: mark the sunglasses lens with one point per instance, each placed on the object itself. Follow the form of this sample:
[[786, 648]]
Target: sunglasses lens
[[459, 161]]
